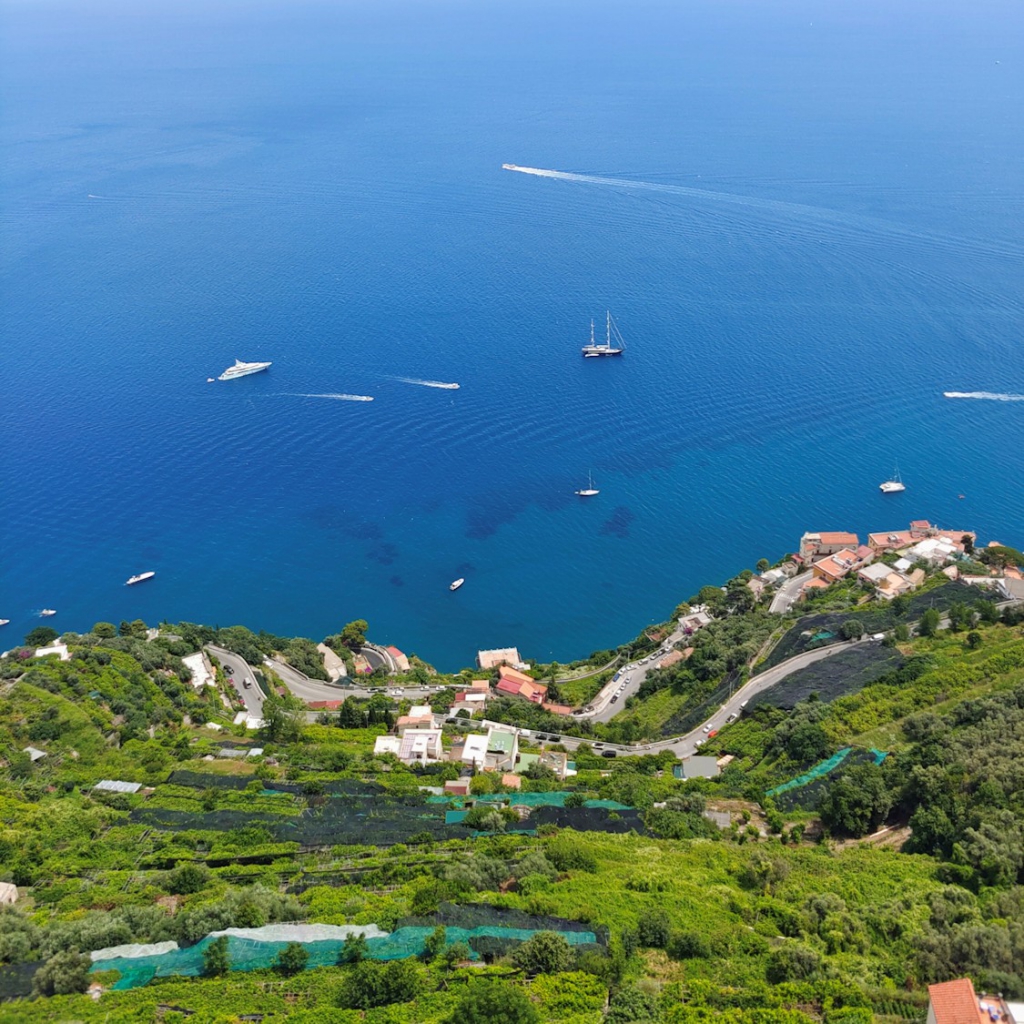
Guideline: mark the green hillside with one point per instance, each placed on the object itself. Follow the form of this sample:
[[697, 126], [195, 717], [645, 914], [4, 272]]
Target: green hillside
[[788, 915]]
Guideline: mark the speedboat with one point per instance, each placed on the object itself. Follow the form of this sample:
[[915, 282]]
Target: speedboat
[[3, 622], [458, 583], [47, 612], [132, 580]]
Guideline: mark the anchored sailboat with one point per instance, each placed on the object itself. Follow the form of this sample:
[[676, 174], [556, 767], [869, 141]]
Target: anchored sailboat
[[894, 485], [607, 349], [589, 491]]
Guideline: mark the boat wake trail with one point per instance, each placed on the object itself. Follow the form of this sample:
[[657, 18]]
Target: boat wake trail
[[427, 383], [857, 225], [985, 396], [335, 397]]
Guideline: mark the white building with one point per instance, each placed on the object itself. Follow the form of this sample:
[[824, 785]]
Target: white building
[[202, 670]]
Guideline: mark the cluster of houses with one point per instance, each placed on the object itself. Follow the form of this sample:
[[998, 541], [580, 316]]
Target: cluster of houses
[[418, 740], [833, 556]]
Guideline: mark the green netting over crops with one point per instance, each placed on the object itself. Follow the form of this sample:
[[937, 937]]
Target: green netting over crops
[[821, 769], [250, 955], [554, 799]]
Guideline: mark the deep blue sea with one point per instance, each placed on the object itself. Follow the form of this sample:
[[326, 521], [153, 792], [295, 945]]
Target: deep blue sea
[[813, 229]]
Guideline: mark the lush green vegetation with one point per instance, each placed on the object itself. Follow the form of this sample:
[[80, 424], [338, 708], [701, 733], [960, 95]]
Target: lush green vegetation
[[784, 917]]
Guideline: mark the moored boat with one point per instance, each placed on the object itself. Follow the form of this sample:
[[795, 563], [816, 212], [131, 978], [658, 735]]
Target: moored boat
[[590, 490], [47, 612], [595, 349], [458, 583], [132, 580], [241, 369], [893, 486]]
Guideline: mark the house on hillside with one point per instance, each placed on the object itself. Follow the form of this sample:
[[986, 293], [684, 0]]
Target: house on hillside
[[696, 618], [400, 660], [512, 683], [956, 1002], [334, 665], [835, 567], [502, 750], [817, 545], [472, 750], [420, 717], [500, 656]]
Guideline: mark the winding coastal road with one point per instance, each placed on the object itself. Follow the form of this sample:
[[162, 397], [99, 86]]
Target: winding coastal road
[[251, 695]]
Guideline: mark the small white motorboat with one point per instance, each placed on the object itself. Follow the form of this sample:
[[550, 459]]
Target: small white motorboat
[[458, 583], [132, 580], [3, 622], [47, 612]]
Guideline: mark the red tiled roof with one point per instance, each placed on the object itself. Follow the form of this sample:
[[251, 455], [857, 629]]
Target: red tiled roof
[[557, 709], [510, 673], [839, 537], [508, 686], [955, 1002]]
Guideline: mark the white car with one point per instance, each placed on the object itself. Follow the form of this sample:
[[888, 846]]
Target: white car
[[707, 728]]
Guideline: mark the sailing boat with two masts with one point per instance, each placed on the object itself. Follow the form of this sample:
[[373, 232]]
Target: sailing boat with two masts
[[595, 349], [589, 491]]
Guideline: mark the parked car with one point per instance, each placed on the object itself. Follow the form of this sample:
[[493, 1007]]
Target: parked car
[[609, 753], [731, 718], [247, 683], [707, 728], [614, 699], [712, 734]]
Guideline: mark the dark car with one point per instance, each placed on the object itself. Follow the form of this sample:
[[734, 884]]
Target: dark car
[[228, 670], [609, 753]]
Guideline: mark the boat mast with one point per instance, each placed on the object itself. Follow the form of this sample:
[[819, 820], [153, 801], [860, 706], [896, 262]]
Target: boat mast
[[608, 329], [591, 333]]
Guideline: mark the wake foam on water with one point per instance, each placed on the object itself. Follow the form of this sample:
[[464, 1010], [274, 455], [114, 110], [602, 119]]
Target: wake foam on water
[[853, 224], [428, 383], [335, 397], [985, 396]]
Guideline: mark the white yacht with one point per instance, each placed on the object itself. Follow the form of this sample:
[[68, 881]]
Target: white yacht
[[3, 622], [458, 583], [47, 612], [589, 491], [241, 369], [132, 580], [893, 486], [595, 349]]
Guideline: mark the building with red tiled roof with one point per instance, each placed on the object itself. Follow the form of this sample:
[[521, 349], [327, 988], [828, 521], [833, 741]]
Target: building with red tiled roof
[[954, 1002], [557, 709], [527, 688], [513, 675], [400, 660], [816, 545], [835, 567]]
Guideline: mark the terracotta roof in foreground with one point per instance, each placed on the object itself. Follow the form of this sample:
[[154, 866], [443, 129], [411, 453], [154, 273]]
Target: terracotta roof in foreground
[[955, 1002]]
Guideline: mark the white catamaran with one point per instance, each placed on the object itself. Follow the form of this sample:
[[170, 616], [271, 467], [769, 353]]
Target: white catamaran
[[893, 486], [595, 349]]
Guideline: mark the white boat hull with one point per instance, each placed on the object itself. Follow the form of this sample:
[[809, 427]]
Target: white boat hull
[[456, 584]]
